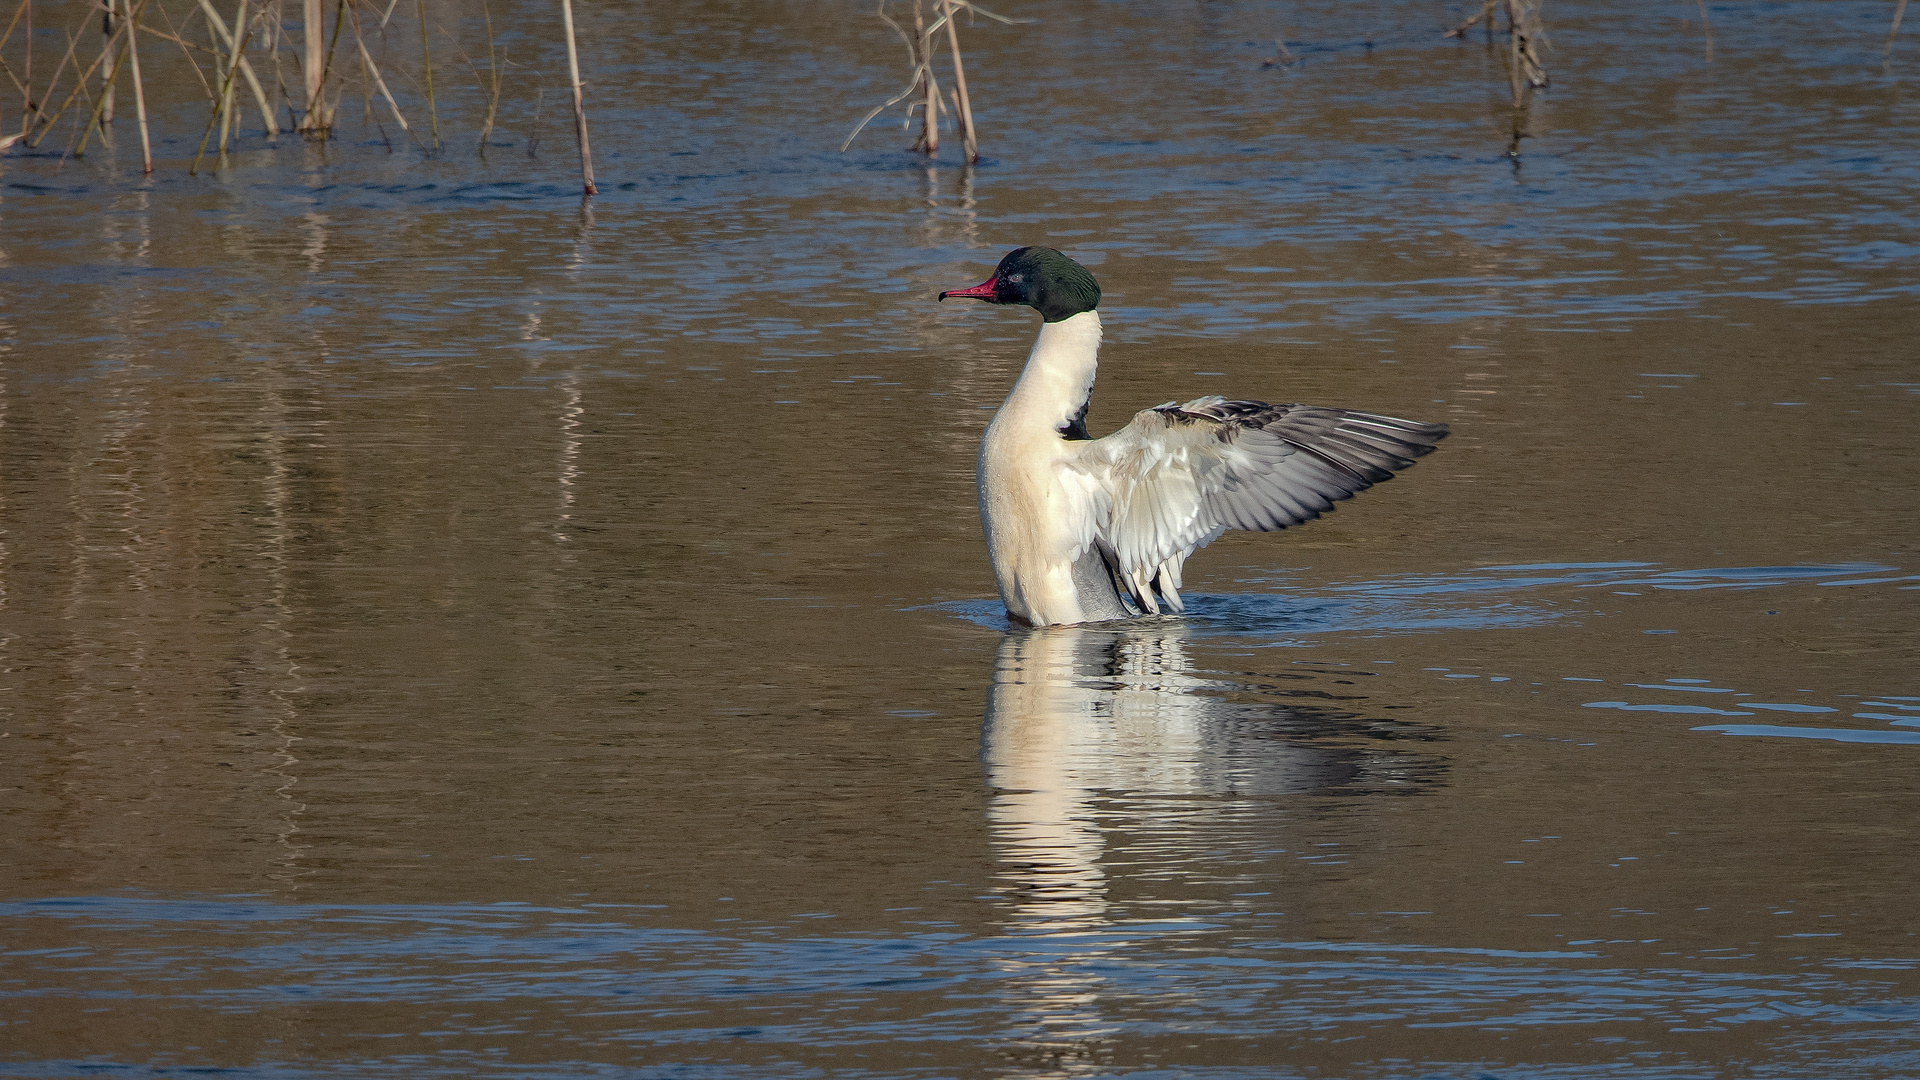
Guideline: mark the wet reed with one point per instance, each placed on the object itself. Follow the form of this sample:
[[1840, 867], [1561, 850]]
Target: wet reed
[[923, 86], [245, 59], [1526, 34]]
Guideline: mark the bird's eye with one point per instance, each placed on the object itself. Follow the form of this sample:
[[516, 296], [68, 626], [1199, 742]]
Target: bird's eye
[[1016, 279]]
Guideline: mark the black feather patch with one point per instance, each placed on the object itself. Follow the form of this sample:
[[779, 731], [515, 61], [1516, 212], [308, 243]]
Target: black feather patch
[[1075, 430]]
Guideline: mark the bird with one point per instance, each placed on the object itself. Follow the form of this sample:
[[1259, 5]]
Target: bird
[[1084, 530]]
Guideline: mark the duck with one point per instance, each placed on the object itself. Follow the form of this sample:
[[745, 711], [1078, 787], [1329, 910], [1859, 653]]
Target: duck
[[1084, 530]]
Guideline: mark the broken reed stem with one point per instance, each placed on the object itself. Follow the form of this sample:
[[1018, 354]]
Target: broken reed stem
[[139, 90], [1706, 24], [967, 135], [366, 62], [426, 61], [1485, 12], [1898, 10], [579, 105]]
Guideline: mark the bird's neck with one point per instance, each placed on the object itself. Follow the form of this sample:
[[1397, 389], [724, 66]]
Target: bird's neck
[[1058, 377]]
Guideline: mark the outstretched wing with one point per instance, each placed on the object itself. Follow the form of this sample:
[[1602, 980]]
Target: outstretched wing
[[1180, 475]]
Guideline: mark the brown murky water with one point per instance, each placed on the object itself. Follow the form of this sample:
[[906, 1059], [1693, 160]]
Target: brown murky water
[[453, 631]]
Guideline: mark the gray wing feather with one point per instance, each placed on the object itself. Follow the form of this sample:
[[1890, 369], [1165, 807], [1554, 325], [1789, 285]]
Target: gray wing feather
[[1179, 475]]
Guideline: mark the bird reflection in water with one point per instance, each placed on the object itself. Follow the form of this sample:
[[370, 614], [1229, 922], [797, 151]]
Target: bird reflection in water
[[1095, 733]]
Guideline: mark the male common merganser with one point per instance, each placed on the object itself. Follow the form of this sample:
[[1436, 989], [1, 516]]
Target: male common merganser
[[1085, 530]]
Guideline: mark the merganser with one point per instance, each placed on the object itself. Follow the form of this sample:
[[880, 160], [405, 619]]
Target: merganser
[[1087, 530]]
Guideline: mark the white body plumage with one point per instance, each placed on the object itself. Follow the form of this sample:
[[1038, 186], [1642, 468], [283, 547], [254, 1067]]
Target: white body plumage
[[1086, 530]]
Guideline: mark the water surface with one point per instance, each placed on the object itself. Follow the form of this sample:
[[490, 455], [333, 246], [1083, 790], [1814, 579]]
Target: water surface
[[454, 630]]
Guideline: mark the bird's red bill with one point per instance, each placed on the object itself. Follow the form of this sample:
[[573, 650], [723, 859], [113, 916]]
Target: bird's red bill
[[982, 291]]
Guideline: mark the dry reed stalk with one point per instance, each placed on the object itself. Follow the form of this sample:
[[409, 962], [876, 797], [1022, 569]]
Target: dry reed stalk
[[967, 135], [426, 61], [1898, 10], [326, 69], [226, 95], [6, 141], [104, 102], [79, 88], [1485, 12], [922, 57], [493, 77], [917, 44], [366, 62], [28, 110], [279, 22], [1524, 31], [187, 49], [333, 44], [40, 108], [270, 127], [314, 68], [139, 90], [107, 36], [1706, 24], [533, 139], [579, 105], [930, 110], [1514, 78]]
